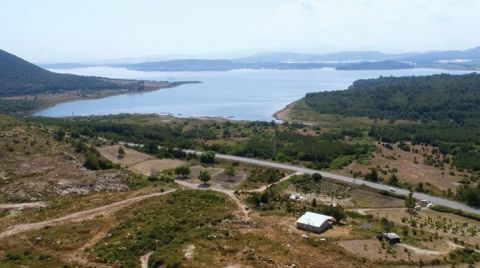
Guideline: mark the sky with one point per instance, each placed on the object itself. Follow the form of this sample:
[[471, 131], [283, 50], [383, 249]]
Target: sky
[[47, 31]]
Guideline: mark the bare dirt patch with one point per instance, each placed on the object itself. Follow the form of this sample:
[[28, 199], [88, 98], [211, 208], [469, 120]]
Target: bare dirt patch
[[376, 251], [368, 199], [35, 167], [156, 165], [189, 251], [131, 157], [137, 161], [225, 181]]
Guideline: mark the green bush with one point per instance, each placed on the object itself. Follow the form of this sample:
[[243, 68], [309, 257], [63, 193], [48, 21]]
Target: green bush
[[464, 255], [207, 157], [459, 212]]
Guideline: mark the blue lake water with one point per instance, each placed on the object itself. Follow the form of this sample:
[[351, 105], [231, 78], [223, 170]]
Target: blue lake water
[[238, 94]]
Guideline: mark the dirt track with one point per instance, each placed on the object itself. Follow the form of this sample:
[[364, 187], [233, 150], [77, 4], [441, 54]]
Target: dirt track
[[78, 216], [241, 207], [23, 205], [263, 188], [452, 245], [144, 259]]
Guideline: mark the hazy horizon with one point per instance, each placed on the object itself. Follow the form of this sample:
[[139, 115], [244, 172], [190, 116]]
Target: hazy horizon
[[82, 31]]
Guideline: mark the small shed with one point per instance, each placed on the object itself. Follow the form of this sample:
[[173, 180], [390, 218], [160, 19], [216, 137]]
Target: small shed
[[393, 238], [314, 222]]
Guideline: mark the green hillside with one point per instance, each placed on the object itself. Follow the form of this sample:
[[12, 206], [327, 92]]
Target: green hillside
[[20, 77], [437, 97]]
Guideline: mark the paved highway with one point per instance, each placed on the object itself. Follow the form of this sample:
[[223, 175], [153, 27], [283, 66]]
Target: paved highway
[[378, 186]]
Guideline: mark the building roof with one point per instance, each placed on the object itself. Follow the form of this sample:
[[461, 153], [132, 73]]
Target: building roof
[[314, 219], [391, 235]]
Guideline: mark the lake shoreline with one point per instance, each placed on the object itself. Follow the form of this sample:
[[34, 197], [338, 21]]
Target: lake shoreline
[[50, 100], [255, 95], [283, 114]]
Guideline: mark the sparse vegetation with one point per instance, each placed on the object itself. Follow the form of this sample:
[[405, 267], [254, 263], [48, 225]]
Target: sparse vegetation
[[253, 139], [410, 202], [93, 159], [163, 225], [140, 228]]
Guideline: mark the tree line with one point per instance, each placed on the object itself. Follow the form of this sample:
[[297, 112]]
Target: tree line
[[441, 97]]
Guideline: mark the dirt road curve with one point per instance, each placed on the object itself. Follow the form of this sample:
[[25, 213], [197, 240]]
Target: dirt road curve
[[241, 207], [144, 260], [263, 188], [78, 216], [452, 245]]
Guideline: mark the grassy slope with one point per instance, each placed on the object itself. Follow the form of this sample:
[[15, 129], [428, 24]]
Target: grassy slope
[[164, 225], [19, 77]]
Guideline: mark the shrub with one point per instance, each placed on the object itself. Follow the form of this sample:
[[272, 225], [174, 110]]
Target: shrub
[[204, 176], [182, 170], [207, 158]]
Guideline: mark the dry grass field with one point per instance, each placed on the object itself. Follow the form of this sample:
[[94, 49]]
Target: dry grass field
[[130, 158], [410, 167], [374, 250], [346, 196], [447, 225], [139, 162], [156, 165], [34, 167]]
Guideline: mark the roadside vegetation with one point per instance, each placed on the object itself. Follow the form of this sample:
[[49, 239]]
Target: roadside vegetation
[[348, 149], [287, 143], [438, 111]]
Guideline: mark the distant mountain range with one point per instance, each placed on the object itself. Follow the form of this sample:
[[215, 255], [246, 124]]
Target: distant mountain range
[[452, 56], [361, 56], [348, 60], [339, 57]]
